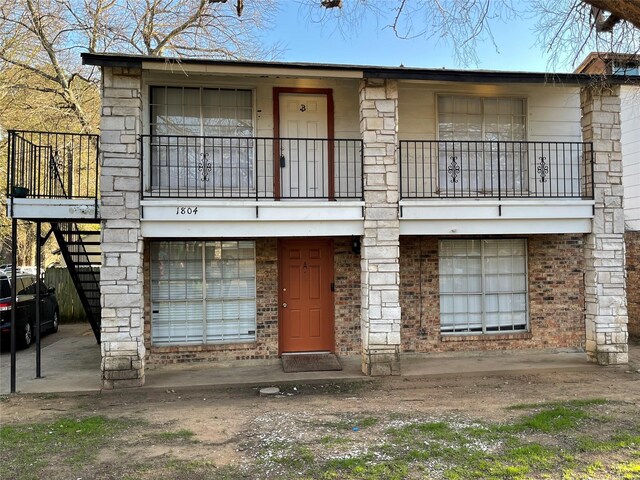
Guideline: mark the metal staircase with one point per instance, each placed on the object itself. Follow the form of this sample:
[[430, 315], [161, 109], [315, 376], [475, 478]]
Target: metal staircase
[[80, 263], [51, 167]]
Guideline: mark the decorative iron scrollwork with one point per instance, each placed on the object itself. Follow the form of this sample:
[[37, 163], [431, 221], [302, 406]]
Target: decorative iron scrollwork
[[204, 167], [543, 169], [453, 169]]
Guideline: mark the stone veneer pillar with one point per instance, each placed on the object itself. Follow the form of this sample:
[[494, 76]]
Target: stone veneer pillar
[[121, 277], [380, 265], [605, 290]]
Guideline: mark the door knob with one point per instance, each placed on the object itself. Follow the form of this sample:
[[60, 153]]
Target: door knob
[[284, 305]]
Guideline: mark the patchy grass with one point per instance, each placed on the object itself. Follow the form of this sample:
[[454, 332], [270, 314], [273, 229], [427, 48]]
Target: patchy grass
[[356, 423], [176, 436], [26, 449], [571, 440], [295, 457], [587, 402], [330, 440], [549, 440], [363, 468]]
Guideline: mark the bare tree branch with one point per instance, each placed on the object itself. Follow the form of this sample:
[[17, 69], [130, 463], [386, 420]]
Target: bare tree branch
[[628, 10]]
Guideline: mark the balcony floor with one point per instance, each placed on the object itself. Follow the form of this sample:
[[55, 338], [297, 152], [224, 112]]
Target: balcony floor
[[82, 209]]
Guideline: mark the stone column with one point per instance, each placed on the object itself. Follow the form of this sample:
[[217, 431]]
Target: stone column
[[121, 277], [605, 290], [380, 265]]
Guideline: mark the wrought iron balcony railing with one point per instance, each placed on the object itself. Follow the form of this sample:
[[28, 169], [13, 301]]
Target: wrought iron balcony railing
[[470, 169], [251, 167], [52, 165]]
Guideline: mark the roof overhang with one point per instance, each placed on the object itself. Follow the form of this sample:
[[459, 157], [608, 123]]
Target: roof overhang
[[268, 68]]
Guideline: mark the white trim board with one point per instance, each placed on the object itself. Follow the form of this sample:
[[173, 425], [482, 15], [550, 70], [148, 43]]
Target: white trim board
[[494, 217], [52, 208], [235, 229]]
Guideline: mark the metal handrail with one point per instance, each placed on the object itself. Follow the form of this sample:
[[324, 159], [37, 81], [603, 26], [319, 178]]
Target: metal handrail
[[495, 169], [53, 165], [258, 168]]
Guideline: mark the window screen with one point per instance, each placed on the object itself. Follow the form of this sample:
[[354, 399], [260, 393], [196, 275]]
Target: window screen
[[483, 285], [474, 130], [217, 112], [203, 292], [200, 138]]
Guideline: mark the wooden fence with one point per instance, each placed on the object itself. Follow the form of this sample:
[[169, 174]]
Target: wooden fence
[[71, 310]]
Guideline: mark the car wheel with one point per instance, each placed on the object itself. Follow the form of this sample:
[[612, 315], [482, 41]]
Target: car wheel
[[25, 336], [54, 325]]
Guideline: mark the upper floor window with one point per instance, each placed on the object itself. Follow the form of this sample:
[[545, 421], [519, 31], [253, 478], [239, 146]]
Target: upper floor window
[[481, 118], [198, 111], [201, 141], [474, 160], [626, 68]]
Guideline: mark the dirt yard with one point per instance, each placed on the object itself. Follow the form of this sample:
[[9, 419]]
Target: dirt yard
[[570, 425]]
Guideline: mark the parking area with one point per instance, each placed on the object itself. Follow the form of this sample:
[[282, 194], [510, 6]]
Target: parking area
[[70, 363]]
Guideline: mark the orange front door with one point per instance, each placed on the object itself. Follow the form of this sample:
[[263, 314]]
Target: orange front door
[[306, 296]]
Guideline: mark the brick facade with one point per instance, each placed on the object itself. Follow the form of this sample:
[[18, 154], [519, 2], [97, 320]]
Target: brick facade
[[346, 299], [346, 271], [632, 241], [556, 298]]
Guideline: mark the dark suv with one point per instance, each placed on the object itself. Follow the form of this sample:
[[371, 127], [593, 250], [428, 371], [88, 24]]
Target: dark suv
[[26, 309]]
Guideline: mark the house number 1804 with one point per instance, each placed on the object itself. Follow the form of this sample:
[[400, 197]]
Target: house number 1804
[[186, 210]]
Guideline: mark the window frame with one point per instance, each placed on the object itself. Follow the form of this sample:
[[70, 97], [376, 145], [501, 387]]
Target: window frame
[[200, 88], [525, 107], [478, 181], [483, 292], [204, 298], [150, 83]]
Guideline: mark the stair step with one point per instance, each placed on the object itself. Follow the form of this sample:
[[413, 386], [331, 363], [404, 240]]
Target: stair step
[[82, 243], [86, 233], [79, 232], [86, 263]]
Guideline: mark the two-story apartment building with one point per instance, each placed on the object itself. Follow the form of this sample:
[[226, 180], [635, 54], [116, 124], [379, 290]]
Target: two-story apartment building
[[254, 209]]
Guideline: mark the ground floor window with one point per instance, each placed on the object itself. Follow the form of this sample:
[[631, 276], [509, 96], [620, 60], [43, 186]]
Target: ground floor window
[[483, 285], [203, 292]]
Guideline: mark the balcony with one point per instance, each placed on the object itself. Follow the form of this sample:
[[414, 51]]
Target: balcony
[[454, 187], [251, 168], [52, 175], [250, 186], [495, 170]]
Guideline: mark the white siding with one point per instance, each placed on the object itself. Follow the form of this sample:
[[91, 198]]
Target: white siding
[[630, 119], [553, 111], [345, 97]]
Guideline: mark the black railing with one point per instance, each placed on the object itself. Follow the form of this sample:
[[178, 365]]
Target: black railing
[[251, 167], [470, 169], [52, 164]]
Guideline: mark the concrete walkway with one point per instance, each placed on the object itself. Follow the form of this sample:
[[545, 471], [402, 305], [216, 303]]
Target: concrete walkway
[[71, 363]]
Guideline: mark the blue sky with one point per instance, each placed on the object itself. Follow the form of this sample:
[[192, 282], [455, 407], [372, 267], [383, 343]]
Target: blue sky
[[373, 44]]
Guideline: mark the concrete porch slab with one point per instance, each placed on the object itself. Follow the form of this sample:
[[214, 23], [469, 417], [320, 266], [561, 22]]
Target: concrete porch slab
[[71, 363]]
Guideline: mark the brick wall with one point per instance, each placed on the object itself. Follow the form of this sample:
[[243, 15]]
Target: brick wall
[[556, 298], [632, 241], [347, 311], [346, 268]]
